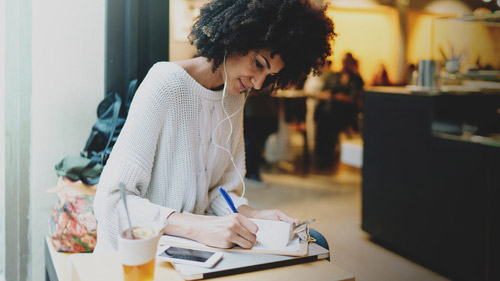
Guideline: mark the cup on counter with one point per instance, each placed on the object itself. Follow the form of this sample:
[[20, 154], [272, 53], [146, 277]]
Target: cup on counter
[[137, 246], [426, 71]]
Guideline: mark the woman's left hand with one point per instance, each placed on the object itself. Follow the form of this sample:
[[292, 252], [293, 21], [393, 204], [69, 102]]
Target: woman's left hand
[[275, 214]]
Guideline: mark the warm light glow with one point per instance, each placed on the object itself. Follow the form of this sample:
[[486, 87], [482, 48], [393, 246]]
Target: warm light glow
[[447, 7], [354, 3], [371, 35], [419, 36], [476, 41]]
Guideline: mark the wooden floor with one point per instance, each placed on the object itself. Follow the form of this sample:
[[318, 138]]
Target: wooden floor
[[334, 199]]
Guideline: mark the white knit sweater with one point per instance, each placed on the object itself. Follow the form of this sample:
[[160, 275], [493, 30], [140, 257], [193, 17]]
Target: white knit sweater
[[165, 154]]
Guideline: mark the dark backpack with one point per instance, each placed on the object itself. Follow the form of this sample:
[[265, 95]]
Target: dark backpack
[[111, 115]]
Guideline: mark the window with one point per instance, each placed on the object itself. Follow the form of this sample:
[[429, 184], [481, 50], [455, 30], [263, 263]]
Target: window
[[15, 55], [137, 37], [2, 142], [2, 211]]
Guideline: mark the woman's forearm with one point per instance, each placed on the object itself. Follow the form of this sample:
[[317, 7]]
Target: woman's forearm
[[222, 232], [182, 225]]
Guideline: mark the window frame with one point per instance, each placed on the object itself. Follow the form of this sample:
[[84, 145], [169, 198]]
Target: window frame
[[17, 139], [137, 36]]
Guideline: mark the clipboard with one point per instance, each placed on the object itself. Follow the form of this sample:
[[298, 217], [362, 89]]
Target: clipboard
[[236, 262], [273, 237], [278, 238]]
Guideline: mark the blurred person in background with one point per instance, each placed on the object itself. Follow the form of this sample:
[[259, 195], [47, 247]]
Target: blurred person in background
[[381, 78], [315, 84], [337, 110], [260, 121]]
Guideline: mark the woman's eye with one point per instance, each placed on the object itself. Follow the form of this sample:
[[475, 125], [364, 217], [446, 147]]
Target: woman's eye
[[258, 64]]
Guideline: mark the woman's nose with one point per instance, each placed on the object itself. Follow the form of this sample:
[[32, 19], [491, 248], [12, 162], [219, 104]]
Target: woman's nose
[[257, 81]]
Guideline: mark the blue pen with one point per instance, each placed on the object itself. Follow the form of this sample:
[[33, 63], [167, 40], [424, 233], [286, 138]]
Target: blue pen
[[228, 199]]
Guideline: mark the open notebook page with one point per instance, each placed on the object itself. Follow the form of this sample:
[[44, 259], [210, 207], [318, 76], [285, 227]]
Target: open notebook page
[[272, 234]]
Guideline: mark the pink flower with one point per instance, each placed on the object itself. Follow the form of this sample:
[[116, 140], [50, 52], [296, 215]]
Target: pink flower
[[88, 220], [89, 240], [76, 228], [80, 204], [62, 220]]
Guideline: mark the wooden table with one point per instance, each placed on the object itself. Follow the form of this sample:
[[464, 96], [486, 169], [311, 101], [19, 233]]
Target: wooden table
[[55, 263], [92, 267]]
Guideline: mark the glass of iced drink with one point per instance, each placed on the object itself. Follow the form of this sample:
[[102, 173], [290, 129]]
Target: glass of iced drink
[[137, 245]]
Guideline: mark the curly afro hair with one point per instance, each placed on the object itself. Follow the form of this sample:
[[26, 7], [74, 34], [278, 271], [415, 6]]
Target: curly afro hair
[[298, 30]]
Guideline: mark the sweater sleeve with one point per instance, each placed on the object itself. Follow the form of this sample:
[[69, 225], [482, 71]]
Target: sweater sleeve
[[231, 181], [131, 162]]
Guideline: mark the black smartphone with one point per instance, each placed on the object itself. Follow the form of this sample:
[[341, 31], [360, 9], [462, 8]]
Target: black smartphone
[[198, 257]]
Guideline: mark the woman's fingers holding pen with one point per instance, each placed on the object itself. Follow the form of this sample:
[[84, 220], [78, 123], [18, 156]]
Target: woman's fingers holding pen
[[227, 231], [284, 217], [243, 231], [276, 215]]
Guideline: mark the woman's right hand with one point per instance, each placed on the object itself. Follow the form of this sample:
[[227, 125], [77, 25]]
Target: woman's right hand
[[221, 232]]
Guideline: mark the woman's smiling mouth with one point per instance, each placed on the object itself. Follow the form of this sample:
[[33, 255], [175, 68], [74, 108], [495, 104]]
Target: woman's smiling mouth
[[243, 87]]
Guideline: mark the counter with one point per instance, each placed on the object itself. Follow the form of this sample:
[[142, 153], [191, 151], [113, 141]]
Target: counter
[[431, 179]]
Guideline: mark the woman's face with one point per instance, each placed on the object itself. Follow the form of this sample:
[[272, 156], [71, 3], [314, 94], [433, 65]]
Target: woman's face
[[250, 71]]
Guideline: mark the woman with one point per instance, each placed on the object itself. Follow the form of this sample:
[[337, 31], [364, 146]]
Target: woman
[[183, 136]]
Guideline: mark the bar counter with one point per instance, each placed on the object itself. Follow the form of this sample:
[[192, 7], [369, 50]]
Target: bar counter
[[431, 178]]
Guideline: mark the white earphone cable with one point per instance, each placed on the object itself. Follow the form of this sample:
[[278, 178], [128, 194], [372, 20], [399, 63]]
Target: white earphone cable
[[228, 117]]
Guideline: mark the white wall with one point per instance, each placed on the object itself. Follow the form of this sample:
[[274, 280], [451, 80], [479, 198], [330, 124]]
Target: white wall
[[67, 85]]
